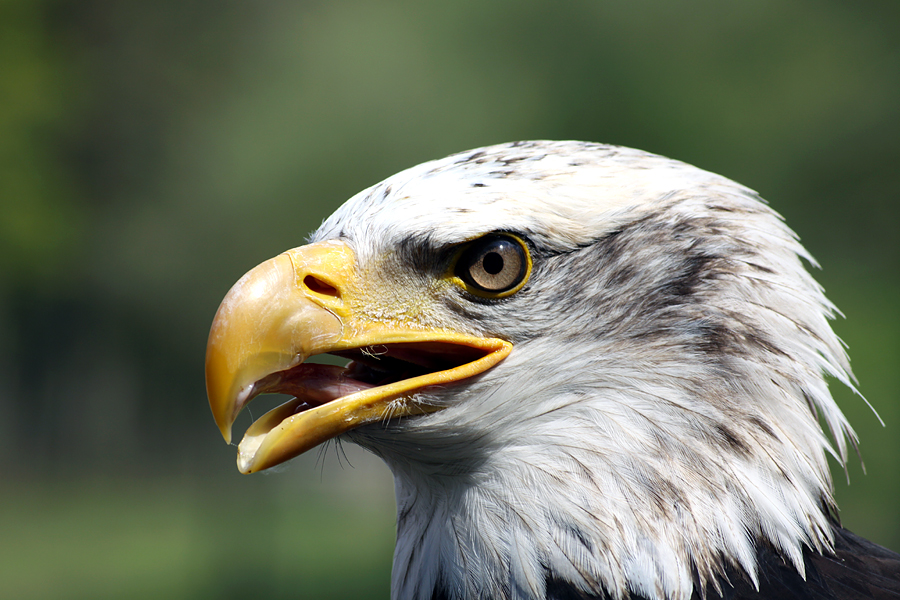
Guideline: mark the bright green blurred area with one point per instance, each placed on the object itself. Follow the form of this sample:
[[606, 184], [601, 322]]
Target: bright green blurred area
[[152, 152], [175, 539]]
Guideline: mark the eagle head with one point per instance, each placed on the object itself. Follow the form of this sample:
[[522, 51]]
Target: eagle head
[[589, 368]]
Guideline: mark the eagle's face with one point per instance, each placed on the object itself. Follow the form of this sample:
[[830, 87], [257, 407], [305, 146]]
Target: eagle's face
[[581, 362]]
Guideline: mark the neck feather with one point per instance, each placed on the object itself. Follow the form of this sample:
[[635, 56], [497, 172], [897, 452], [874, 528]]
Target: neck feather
[[556, 502]]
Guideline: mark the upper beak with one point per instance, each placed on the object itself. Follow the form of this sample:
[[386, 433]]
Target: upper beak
[[304, 302]]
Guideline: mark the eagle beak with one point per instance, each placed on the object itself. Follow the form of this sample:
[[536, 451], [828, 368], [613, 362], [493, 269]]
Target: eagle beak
[[308, 301]]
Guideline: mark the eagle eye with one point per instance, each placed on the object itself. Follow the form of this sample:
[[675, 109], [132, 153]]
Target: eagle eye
[[496, 265]]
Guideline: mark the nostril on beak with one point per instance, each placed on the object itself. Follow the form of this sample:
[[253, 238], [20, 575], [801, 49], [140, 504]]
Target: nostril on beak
[[318, 286]]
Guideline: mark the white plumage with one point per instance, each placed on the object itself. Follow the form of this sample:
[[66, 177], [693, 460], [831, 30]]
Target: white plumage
[[654, 431]]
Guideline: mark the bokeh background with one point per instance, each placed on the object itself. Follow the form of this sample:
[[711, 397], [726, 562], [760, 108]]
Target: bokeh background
[[152, 152]]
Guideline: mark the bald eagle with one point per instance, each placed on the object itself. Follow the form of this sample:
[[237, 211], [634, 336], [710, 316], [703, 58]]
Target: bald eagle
[[594, 372]]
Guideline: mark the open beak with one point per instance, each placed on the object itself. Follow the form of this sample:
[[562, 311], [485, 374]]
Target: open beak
[[309, 301]]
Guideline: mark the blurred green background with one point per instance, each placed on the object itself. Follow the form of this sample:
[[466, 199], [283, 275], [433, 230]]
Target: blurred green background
[[152, 152]]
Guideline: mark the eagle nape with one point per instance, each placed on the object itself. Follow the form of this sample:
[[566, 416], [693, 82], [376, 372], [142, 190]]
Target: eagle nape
[[595, 373]]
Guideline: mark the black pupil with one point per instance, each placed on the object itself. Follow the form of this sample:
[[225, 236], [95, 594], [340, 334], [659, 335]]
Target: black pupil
[[492, 263]]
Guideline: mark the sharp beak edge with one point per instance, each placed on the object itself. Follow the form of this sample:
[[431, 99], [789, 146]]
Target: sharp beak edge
[[294, 306]]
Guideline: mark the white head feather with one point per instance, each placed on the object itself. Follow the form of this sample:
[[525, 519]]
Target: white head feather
[[658, 416]]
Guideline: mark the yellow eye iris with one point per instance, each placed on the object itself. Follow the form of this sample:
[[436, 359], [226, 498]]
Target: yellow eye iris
[[495, 265]]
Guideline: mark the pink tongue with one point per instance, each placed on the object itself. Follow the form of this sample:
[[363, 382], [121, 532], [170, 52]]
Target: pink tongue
[[318, 384]]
